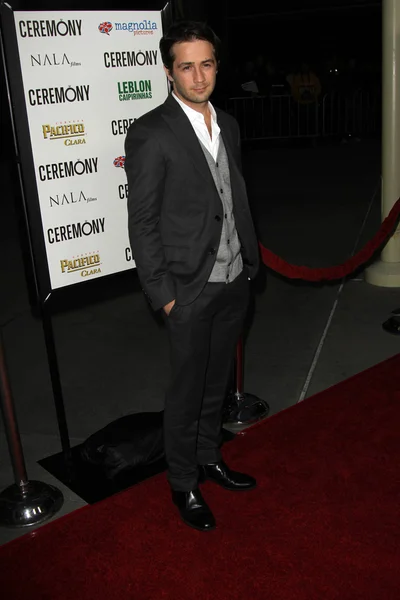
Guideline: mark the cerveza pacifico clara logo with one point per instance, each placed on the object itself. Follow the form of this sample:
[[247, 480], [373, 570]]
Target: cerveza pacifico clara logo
[[86, 264], [71, 132]]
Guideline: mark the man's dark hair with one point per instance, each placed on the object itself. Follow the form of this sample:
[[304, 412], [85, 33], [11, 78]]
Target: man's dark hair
[[186, 31]]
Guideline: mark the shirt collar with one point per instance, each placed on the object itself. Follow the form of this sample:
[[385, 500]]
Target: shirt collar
[[195, 115]]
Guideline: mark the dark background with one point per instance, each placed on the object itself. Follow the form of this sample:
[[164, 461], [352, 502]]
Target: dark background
[[323, 33], [287, 30]]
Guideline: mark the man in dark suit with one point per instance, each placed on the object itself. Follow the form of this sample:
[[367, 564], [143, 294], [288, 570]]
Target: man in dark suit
[[195, 248]]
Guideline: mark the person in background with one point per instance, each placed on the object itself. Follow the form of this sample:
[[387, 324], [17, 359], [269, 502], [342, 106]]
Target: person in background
[[305, 89], [249, 83], [305, 85]]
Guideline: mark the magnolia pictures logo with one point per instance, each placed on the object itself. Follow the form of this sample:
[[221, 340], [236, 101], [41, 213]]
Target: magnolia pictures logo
[[145, 27], [71, 132], [119, 162], [105, 27], [86, 264]]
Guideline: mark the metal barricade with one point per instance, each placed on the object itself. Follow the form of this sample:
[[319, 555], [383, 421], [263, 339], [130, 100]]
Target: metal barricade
[[352, 114], [281, 117], [274, 117]]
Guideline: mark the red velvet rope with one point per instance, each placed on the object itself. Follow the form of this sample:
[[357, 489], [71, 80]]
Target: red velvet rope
[[338, 271]]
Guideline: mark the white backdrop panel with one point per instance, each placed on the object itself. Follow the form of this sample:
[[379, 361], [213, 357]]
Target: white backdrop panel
[[86, 76]]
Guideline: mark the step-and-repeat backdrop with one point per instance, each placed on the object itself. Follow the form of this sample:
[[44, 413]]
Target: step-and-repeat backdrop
[[86, 77]]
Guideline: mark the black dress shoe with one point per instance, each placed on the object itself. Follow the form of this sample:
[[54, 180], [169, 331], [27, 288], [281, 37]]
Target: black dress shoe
[[220, 473], [194, 510]]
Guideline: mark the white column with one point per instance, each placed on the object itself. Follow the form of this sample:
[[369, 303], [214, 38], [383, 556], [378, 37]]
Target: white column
[[386, 271]]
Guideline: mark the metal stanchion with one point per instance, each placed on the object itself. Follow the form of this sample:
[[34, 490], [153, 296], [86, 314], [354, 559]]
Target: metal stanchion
[[242, 409], [25, 503]]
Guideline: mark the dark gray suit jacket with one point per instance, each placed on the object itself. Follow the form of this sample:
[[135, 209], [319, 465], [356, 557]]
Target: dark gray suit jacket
[[175, 212]]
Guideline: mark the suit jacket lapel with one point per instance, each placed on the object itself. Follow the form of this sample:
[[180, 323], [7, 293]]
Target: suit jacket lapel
[[233, 167], [183, 130], [237, 181]]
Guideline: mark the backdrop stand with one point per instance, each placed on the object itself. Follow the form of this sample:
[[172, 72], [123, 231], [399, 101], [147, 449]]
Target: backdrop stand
[[36, 286], [241, 408], [25, 503], [56, 383]]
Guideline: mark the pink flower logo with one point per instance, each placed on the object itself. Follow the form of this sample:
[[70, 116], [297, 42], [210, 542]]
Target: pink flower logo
[[119, 161], [105, 27]]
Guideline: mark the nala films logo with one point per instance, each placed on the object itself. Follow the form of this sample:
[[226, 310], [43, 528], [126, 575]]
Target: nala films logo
[[53, 60], [87, 264], [68, 198], [119, 162], [72, 132], [145, 27]]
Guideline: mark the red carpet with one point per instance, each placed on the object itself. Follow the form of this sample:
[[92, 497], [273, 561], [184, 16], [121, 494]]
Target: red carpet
[[323, 524]]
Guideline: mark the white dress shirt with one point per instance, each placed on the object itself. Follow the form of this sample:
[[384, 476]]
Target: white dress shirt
[[199, 125]]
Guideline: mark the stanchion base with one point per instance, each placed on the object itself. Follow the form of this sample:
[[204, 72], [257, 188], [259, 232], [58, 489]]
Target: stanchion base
[[383, 274], [242, 410], [29, 504], [392, 326]]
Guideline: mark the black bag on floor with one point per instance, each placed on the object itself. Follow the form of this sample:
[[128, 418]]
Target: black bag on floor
[[130, 442]]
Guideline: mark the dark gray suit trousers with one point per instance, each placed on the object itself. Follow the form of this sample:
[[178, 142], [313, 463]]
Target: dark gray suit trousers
[[203, 337]]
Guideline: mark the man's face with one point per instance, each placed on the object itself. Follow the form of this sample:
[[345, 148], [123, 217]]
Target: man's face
[[194, 71]]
